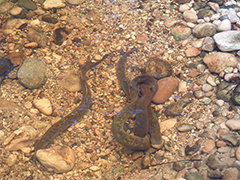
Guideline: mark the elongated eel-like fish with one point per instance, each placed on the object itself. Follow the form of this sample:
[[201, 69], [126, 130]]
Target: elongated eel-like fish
[[76, 114], [146, 121]]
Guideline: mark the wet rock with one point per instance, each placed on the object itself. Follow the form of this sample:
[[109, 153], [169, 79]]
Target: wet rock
[[213, 162], [11, 160], [174, 109], [60, 35], [167, 124], [238, 153], [50, 4], [215, 174], [193, 73], [193, 176], [190, 150], [214, 6], [28, 4], [225, 25], [190, 16], [43, 105], [207, 87], [223, 90], [208, 145], [232, 15], [235, 96], [37, 36], [32, 73], [1, 134], [185, 127], [204, 13], [208, 44], [158, 68], [5, 66], [74, 2], [70, 82], [219, 61], [114, 172], [9, 104], [146, 161], [230, 174], [60, 159], [5, 7], [49, 18], [178, 166], [166, 87], [192, 52], [233, 138], [181, 32], [182, 1], [233, 124], [199, 94], [204, 30], [15, 23], [16, 58], [137, 155], [23, 137], [141, 38], [228, 40], [16, 11]]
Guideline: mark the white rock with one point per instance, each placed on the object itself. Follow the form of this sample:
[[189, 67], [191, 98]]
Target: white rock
[[225, 25], [43, 105], [215, 17], [211, 81], [185, 7], [220, 102], [228, 70], [50, 4], [16, 11], [23, 137], [60, 159], [229, 76], [216, 22], [232, 16], [11, 160], [207, 87]]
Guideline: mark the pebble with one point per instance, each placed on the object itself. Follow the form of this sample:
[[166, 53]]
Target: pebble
[[225, 25], [232, 16], [185, 127], [167, 124], [15, 11], [193, 176], [220, 102], [219, 61], [60, 159], [43, 105], [230, 174], [94, 168], [166, 86], [70, 82], [207, 87], [50, 4], [178, 166], [190, 16], [208, 44], [185, 7], [1, 134], [74, 2], [211, 81], [35, 35], [32, 73], [214, 162], [208, 146], [28, 4], [233, 124], [192, 52], [5, 66], [5, 7], [204, 30], [137, 154], [11, 160], [181, 32], [228, 40]]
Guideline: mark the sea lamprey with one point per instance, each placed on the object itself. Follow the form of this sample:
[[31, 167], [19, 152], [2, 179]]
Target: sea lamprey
[[141, 90]]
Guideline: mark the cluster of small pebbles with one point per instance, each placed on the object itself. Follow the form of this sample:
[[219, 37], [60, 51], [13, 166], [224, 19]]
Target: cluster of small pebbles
[[191, 47]]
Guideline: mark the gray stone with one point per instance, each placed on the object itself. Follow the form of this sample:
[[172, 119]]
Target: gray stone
[[204, 30], [228, 40], [232, 16], [37, 36], [32, 73], [225, 25], [223, 90], [181, 32], [233, 138], [208, 44], [28, 4], [214, 162]]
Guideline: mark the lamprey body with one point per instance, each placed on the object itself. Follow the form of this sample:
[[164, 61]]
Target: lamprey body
[[140, 91], [76, 114]]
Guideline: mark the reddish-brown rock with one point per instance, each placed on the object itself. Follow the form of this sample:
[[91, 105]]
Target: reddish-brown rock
[[192, 52], [166, 87]]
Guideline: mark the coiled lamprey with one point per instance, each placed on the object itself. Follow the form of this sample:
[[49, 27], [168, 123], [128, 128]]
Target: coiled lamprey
[[76, 114], [146, 132]]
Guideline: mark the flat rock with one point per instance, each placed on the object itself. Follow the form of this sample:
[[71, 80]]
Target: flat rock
[[15, 23], [192, 52], [28, 4], [43, 105], [228, 40], [168, 124], [74, 2], [60, 159], [204, 30], [166, 87], [50, 4], [230, 174], [219, 61], [5, 7], [208, 145], [233, 124]]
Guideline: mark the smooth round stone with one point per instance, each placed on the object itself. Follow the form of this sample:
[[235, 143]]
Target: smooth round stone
[[32, 73], [228, 40], [220, 102], [166, 87], [204, 30], [43, 105], [190, 16], [35, 35], [225, 25], [219, 61], [211, 81], [60, 159], [16, 11], [50, 4], [181, 32], [185, 127]]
